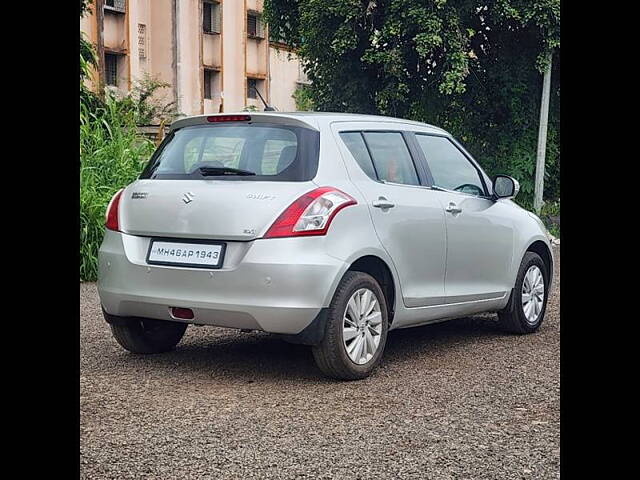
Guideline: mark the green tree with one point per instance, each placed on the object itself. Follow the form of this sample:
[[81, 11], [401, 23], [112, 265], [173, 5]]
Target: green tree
[[303, 98], [471, 66]]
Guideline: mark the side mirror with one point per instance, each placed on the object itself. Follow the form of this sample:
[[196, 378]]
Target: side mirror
[[505, 186]]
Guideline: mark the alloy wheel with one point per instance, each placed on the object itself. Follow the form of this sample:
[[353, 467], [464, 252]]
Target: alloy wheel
[[532, 294], [362, 326]]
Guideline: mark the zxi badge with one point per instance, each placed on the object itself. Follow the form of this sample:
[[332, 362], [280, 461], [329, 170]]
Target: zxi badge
[[188, 197]]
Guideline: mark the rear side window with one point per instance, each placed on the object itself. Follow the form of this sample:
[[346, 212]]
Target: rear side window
[[391, 157], [355, 144], [272, 152], [391, 160]]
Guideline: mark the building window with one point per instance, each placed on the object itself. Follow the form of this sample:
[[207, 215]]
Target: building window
[[254, 25], [142, 41], [111, 69], [210, 83], [211, 17], [207, 84], [116, 5], [252, 83]]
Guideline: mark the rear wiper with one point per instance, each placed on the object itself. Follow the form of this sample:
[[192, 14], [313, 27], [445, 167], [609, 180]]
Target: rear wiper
[[216, 171]]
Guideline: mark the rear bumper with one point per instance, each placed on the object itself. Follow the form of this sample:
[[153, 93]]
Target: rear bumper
[[275, 285]]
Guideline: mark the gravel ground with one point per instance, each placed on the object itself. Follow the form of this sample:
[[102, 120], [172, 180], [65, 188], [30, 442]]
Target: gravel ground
[[453, 400]]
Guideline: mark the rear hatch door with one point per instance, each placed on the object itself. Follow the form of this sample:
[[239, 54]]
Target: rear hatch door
[[205, 209], [212, 178]]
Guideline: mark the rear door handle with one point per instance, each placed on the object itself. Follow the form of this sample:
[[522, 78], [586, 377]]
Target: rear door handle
[[383, 203], [453, 208]]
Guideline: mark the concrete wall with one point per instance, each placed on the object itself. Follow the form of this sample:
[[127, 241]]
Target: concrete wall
[[189, 63], [212, 50], [115, 31], [233, 46], [160, 43], [284, 67]]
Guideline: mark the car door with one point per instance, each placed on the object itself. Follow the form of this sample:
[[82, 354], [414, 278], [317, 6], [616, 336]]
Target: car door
[[408, 220], [480, 231]]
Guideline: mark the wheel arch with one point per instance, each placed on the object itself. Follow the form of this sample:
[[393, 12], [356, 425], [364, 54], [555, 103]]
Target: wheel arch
[[542, 249], [369, 263], [381, 271]]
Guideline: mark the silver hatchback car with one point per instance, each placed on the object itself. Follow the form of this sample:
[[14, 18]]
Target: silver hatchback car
[[327, 229]]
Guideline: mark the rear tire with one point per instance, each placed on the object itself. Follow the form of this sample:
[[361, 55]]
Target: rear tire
[[519, 317], [332, 354], [142, 335]]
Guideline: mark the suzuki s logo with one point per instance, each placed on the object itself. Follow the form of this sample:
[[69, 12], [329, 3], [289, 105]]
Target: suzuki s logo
[[188, 197]]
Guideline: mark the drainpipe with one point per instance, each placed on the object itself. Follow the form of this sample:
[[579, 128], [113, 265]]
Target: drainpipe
[[175, 50], [100, 46], [268, 82]]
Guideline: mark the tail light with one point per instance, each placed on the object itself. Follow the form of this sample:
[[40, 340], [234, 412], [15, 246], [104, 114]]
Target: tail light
[[311, 214], [111, 218]]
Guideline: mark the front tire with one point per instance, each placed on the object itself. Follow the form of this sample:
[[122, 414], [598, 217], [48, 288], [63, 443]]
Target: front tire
[[356, 330], [142, 335], [525, 311]]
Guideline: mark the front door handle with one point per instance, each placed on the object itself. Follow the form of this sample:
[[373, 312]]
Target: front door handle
[[453, 208], [383, 203]]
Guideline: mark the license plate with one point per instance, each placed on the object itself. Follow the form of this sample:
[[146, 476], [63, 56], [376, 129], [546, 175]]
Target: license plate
[[186, 254]]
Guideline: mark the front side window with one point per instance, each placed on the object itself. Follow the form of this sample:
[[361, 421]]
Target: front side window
[[449, 167], [212, 152], [391, 157]]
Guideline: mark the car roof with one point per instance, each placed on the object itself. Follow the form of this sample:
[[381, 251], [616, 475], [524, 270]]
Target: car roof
[[308, 118]]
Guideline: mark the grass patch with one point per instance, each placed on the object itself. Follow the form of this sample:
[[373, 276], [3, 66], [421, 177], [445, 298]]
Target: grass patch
[[550, 215], [112, 155]]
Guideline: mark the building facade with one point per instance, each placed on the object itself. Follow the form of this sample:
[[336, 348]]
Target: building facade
[[214, 53]]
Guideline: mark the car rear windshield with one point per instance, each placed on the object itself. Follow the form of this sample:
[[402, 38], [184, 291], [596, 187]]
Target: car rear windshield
[[246, 152]]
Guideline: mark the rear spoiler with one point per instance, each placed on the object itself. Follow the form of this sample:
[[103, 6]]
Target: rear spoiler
[[273, 118]]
